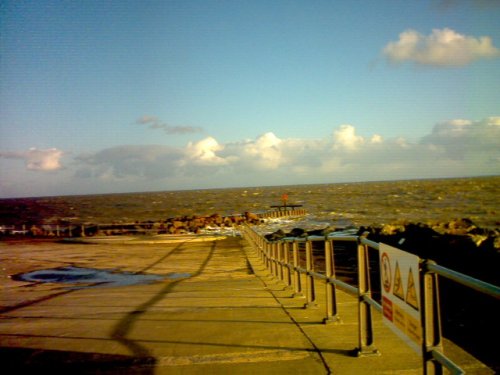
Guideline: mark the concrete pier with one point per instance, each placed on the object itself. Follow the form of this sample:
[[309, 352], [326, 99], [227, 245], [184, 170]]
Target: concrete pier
[[224, 314]]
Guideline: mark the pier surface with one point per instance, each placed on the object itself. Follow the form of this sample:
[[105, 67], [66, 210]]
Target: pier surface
[[220, 313]]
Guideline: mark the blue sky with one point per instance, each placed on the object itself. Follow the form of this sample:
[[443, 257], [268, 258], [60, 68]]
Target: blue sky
[[119, 96]]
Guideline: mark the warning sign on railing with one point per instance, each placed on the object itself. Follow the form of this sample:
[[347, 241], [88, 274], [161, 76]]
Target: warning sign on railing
[[399, 274]]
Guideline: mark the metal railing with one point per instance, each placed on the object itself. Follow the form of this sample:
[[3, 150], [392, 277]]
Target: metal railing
[[276, 257]]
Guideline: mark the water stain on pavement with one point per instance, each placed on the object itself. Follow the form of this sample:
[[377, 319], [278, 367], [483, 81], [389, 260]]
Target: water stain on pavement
[[90, 276]]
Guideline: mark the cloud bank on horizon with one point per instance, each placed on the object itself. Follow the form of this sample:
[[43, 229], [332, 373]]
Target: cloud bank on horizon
[[454, 148]]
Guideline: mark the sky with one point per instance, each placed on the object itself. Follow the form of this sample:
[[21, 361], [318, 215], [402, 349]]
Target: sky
[[131, 96]]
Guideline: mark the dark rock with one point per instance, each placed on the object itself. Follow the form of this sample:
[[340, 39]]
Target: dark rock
[[251, 216], [321, 232], [275, 236], [296, 232]]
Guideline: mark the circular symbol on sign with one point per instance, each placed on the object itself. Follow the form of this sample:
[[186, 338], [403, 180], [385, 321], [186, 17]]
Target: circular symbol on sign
[[385, 266]]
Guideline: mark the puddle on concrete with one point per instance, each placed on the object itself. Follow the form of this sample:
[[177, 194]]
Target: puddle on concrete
[[79, 275], [178, 275]]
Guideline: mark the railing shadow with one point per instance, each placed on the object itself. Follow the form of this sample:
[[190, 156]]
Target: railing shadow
[[123, 327]]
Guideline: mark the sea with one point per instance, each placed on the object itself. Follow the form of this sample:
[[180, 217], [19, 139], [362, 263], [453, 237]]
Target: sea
[[372, 203]]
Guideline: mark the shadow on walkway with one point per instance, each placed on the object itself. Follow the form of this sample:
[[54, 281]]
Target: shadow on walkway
[[124, 326]]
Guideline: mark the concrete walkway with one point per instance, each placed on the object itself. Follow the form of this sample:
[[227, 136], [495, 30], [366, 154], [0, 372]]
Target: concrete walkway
[[220, 313]]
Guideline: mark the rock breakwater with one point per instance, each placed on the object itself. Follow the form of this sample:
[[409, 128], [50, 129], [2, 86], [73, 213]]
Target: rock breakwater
[[176, 225]]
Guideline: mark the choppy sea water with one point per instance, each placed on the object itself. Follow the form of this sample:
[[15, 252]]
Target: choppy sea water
[[338, 204]]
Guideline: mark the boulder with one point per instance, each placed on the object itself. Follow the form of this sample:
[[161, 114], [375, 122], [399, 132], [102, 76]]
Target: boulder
[[296, 232], [251, 216], [177, 223], [275, 236], [320, 232]]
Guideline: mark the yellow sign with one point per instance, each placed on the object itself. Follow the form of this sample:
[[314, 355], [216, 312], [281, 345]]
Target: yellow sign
[[401, 294], [411, 292], [385, 269], [398, 284]]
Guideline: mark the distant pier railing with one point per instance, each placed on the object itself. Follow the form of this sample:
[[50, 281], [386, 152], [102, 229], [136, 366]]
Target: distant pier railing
[[285, 260], [283, 211]]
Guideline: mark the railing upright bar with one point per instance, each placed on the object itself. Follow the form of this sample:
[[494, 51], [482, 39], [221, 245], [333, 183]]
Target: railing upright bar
[[280, 260], [286, 260], [263, 247], [297, 282], [330, 290], [277, 259], [274, 247], [365, 324], [310, 290], [267, 248], [431, 322], [272, 253]]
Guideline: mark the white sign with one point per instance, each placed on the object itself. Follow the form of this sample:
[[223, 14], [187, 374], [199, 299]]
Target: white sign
[[400, 284]]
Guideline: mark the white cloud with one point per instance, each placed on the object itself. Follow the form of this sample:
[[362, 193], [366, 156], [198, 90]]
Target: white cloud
[[465, 139], [265, 152], [345, 138], [151, 161], [204, 152], [452, 128], [38, 160], [376, 139], [443, 47]]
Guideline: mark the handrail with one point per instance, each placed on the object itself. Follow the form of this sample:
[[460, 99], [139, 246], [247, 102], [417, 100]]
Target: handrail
[[373, 303], [445, 361], [468, 281], [364, 293], [347, 287], [461, 278]]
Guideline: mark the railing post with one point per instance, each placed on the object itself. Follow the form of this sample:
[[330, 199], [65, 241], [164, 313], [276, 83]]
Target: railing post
[[297, 282], [263, 247], [310, 291], [331, 296], [279, 259], [267, 251], [365, 323], [431, 321], [274, 247], [286, 260]]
